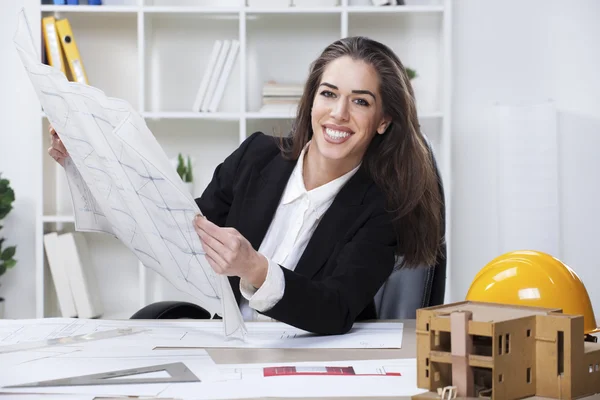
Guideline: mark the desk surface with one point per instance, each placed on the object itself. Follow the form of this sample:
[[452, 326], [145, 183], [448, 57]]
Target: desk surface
[[247, 356], [409, 350]]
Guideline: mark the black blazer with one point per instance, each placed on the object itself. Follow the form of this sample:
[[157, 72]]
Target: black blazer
[[348, 258]]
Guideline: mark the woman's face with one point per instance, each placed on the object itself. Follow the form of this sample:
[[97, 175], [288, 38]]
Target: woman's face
[[347, 111]]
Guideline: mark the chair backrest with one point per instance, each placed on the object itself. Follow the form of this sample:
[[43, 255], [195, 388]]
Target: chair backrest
[[408, 289]]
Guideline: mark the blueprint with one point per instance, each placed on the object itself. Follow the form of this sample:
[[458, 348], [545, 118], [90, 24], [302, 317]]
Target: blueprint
[[122, 183]]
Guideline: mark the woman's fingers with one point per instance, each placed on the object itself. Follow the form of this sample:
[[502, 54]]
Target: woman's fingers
[[211, 248], [59, 145], [59, 157], [214, 265], [56, 142], [210, 240]]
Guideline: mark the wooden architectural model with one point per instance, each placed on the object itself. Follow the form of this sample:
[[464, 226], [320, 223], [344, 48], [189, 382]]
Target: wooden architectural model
[[505, 352]]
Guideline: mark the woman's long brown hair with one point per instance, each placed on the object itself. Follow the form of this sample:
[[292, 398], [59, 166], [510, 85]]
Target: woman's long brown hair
[[400, 161]]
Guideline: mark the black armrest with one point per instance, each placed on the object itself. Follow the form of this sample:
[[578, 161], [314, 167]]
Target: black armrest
[[171, 310]]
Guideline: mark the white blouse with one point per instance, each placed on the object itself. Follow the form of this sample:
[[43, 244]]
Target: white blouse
[[295, 220]]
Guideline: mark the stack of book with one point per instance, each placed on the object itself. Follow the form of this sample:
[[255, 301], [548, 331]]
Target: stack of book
[[281, 98], [220, 63]]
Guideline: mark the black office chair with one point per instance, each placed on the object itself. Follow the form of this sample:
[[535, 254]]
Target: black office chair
[[407, 290]]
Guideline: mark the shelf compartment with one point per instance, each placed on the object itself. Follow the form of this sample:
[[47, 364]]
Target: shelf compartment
[[293, 10], [266, 115], [56, 194], [107, 44], [57, 219], [233, 4], [177, 50], [415, 38], [272, 39], [394, 9], [190, 10], [275, 126], [218, 116], [85, 9], [207, 142]]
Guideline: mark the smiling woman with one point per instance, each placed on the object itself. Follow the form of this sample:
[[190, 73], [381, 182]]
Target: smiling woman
[[329, 207], [309, 227]]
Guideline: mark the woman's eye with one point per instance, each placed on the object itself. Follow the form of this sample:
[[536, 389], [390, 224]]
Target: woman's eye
[[361, 102], [327, 93]]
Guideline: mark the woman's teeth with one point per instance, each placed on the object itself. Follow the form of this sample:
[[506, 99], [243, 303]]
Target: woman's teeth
[[336, 134]]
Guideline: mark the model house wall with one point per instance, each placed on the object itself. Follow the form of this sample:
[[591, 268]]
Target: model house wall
[[514, 352]]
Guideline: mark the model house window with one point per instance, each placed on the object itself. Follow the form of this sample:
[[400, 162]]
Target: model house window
[[560, 352]]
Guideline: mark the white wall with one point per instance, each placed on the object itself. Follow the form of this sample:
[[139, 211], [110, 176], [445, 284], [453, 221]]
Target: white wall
[[20, 128], [515, 51]]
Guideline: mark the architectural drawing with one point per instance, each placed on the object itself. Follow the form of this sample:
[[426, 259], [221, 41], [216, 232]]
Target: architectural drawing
[[122, 183]]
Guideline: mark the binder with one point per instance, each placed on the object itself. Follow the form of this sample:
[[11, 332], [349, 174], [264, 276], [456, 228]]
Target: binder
[[80, 270], [60, 275], [210, 69], [69, 45], [235, 45], [214, 79], [54, 52]]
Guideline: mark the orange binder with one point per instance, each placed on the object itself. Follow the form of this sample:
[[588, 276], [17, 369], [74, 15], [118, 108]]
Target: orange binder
[[71, 51]]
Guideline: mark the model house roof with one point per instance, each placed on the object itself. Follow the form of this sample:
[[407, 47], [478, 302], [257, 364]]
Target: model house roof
[[489, 312]]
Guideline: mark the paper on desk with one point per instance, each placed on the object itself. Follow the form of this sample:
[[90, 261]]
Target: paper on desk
[[202, 334], [23, 396], [248, 381], [89, 360], [122, 183]]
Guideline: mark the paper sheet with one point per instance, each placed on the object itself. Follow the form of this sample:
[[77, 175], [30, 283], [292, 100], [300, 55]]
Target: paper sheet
[[248, 381], [89, 360], [161, 342], [22, 396], [122, 183], [200, 334]]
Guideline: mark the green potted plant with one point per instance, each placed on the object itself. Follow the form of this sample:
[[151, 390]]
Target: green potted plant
[[185, 172], [7, 261], [412, 74]]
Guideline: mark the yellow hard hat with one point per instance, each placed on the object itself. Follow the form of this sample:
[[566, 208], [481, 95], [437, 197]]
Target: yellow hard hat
[[535, 279]]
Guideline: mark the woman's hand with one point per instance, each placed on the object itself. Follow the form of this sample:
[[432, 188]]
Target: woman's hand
[[57, 149], [229, 253]]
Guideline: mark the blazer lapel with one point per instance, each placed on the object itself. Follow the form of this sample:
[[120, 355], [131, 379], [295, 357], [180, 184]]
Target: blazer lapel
[[342, 213], [263, 192], [261, 199]]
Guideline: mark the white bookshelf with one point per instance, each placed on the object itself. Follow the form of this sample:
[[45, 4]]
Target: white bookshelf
[[153, 53]]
